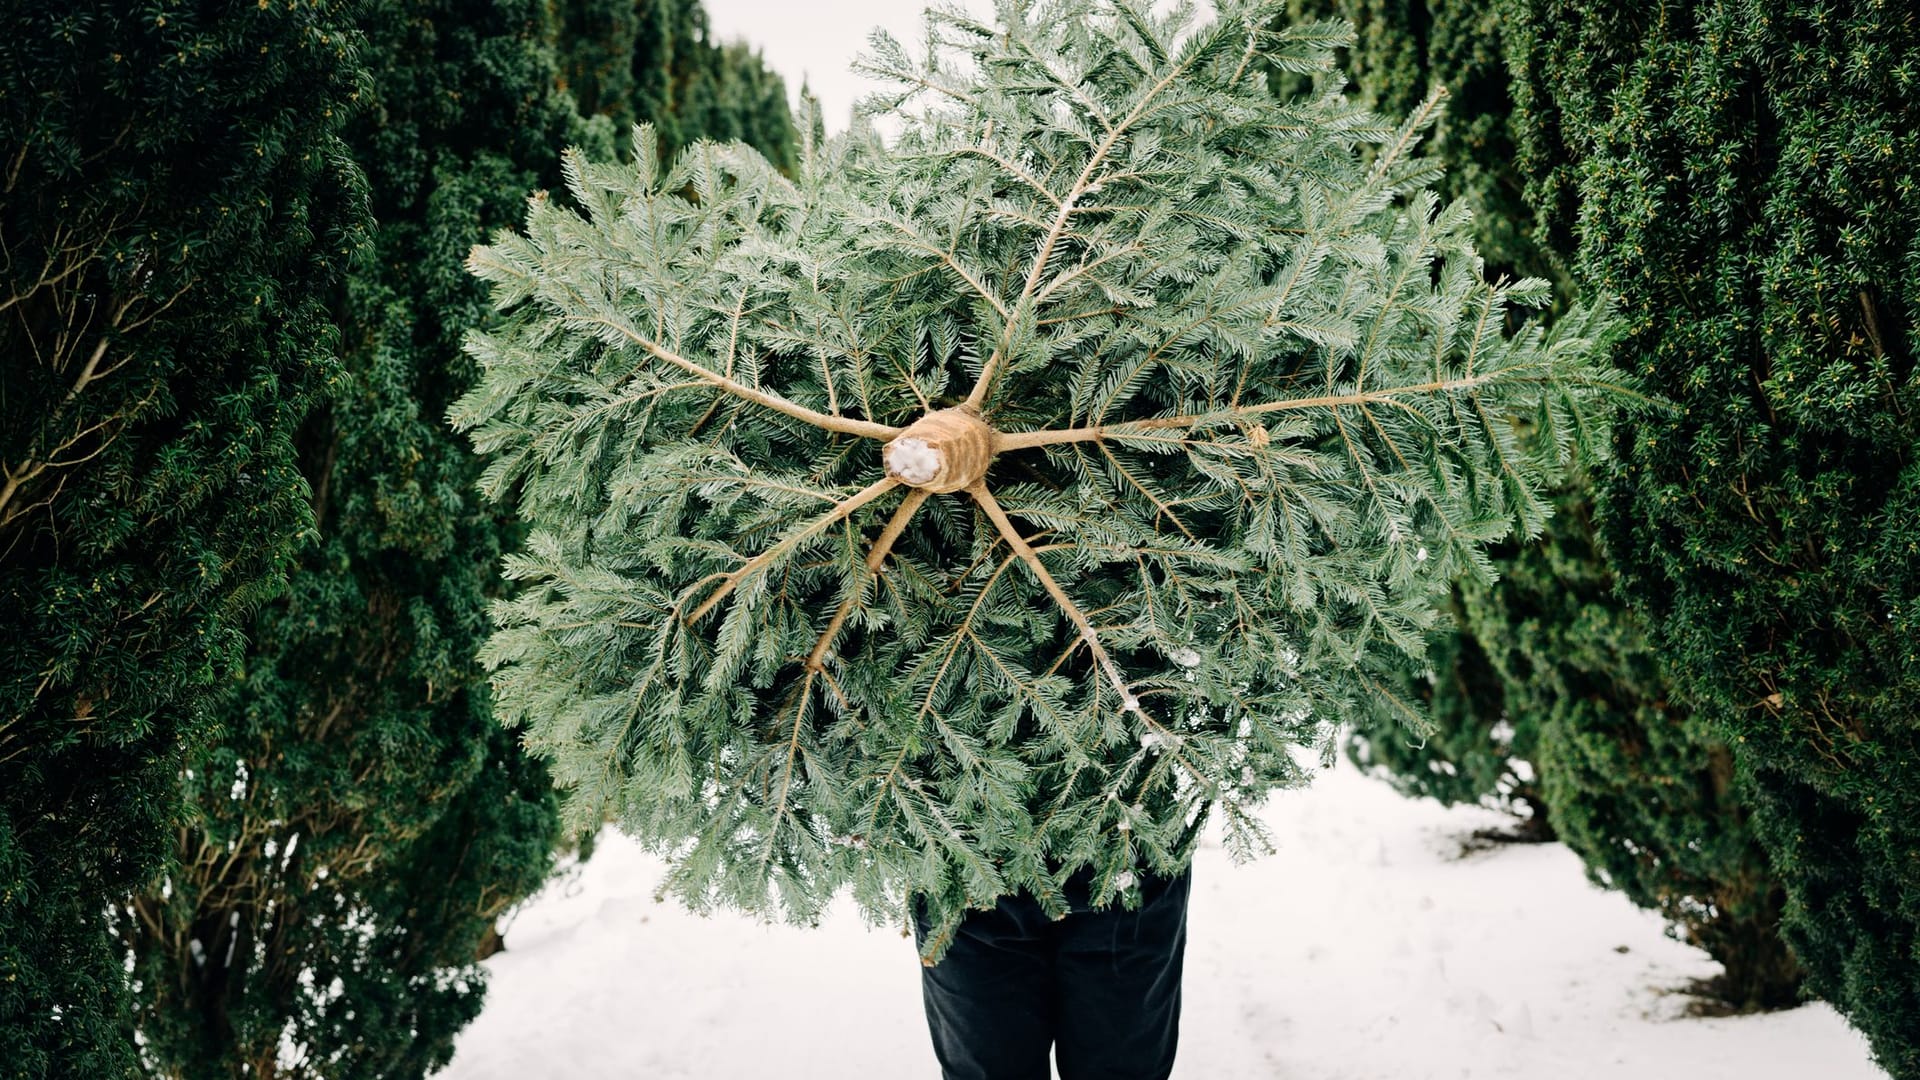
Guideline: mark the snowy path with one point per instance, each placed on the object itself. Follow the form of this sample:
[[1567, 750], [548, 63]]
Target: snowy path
[[1366, 949]]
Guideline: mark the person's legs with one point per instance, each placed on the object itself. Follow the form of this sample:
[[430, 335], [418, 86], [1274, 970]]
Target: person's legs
[[1118, 975], [990, 999]]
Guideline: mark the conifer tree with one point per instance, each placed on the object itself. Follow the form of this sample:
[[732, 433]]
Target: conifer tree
[[655, 60], [1402, 51], [175, 207], [371, 822], [1473, 750], [749, 105], [1547, 687], [1547, 698], [1012, 498], [603, 63], [295, 933], [665, 61], [1635, 782], [1744, 175]]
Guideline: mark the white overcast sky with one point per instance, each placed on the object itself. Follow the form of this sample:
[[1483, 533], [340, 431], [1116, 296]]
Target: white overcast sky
[[816, 40]]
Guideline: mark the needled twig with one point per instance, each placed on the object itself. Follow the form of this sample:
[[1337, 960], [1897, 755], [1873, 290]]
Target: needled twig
[[847, 506], [875, 558]]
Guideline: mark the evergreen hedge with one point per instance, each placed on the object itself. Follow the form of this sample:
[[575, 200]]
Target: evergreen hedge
[[177, 209], [361, 822], [1547, 699], [1635, 782], [1473, 750], [1746, 176], [299, 910], [656, 61]]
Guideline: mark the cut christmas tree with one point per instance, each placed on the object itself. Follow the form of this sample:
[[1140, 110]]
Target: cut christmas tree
[[1007, 497]]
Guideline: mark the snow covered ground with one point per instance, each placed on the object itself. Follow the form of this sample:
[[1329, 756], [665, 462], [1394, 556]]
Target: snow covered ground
[[1368, 948]]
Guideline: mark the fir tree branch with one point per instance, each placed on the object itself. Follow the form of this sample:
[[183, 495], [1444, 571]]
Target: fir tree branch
[[1021, 440], [876, 557], [1160, 506], [952, 651], [1014, 170], [1409, 133], [991, 507], [730, 580], [801, 700], [983, 385], [844, 425], [920, 243]]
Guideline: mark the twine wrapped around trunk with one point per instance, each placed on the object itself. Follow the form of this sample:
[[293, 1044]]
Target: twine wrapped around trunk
[[944, 451]]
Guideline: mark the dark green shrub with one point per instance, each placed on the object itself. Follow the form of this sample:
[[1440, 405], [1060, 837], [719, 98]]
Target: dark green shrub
[[175, 207], [1404, 49], [596, 43], [1637, 784], [655, 61], [1474, 751], [1746, 176], [361, 821], [1548, 699], [296, 911]]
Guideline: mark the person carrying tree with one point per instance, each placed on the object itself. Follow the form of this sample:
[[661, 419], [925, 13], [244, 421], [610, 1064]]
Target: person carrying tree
[[972, 519]]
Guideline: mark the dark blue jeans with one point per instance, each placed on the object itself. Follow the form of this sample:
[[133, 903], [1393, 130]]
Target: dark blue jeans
[[1100, 988]]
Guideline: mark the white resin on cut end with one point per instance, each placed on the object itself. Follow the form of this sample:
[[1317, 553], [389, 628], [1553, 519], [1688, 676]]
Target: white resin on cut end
[[913, 460]]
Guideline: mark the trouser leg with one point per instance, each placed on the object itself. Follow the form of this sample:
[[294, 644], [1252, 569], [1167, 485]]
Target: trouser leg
[[989, 1001], [1118, 974]]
